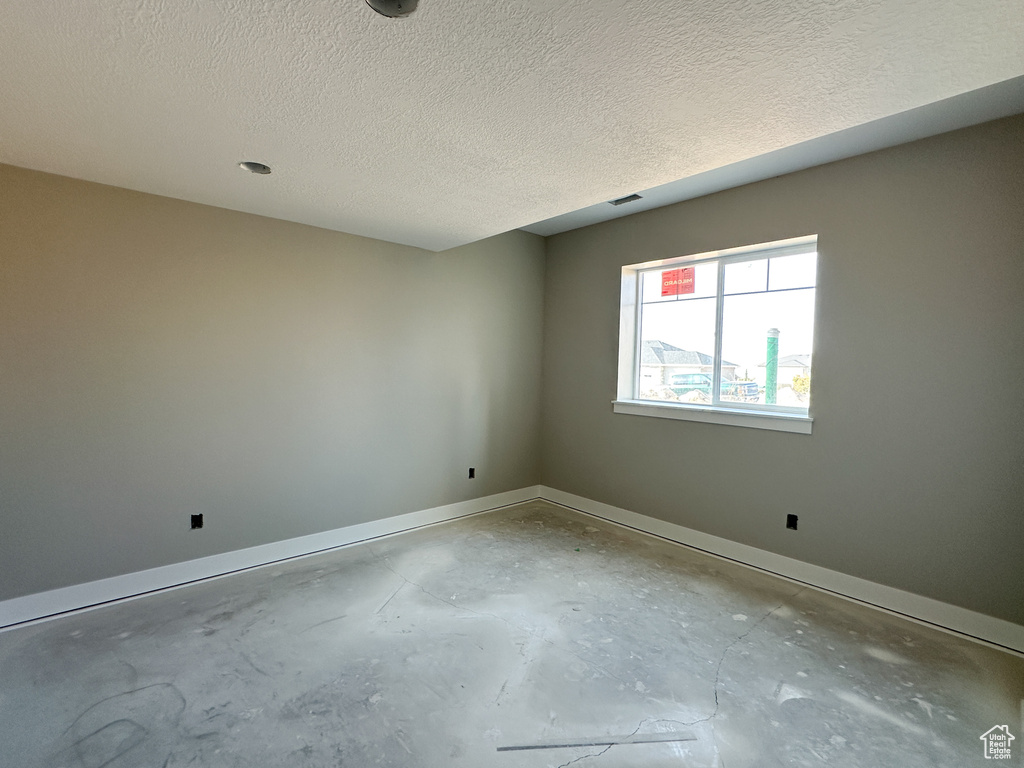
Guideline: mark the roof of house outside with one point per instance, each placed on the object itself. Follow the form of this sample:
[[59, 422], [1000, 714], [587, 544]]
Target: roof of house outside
[[798, 361], [656, 352]]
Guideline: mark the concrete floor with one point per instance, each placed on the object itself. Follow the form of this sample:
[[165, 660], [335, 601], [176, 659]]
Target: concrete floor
[[529, 626]]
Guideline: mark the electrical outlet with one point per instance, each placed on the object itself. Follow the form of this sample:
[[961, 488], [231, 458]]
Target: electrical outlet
[[472, 472], [791, 522], [197, 521]]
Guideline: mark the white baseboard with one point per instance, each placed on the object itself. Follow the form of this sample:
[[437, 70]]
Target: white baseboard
[[970, 624], [42, 605]]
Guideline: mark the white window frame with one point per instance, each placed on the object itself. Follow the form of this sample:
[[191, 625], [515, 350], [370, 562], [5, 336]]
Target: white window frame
[[760, 416]]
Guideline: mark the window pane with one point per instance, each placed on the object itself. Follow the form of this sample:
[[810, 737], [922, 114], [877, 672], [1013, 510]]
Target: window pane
[[745, 317], [746, 276], [749, 323], [793, 271], [677, 347]]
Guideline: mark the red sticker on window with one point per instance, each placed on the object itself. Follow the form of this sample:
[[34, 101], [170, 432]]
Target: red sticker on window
[[686, 280], [670, 282], [677, 281]]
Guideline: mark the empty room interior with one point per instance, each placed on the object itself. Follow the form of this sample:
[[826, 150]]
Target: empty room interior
[[514, 384]]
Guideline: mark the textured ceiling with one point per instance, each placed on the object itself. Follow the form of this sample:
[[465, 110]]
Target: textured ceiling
[[468, 118]]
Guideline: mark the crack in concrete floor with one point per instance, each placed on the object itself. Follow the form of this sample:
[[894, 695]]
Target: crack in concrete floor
[[725, 651], [513, 625]]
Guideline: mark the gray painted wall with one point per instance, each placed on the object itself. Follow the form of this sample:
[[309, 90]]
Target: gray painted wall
[[914, 475], [160, 358]]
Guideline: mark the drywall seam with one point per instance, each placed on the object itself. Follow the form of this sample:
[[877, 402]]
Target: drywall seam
[[41, 606], [988, 630]]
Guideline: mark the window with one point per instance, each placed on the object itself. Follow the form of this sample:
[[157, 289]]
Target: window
[[725, 337]]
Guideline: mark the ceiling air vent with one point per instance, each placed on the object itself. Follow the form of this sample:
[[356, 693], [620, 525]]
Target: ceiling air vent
[[626, 199]]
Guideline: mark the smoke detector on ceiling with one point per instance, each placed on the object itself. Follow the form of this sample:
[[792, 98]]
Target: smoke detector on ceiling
[[393, 9]]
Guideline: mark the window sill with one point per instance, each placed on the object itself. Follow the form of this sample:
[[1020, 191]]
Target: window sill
[[778, 422]]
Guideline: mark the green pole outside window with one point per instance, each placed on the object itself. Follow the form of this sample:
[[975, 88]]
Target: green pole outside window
[[771, 385]]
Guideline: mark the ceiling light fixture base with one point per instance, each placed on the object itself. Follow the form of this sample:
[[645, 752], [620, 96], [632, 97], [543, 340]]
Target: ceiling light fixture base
[[254, 167], [393, 9]]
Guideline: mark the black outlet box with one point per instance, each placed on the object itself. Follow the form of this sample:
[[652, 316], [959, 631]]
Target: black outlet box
[[472, 472], [791, 521], [197, 521]]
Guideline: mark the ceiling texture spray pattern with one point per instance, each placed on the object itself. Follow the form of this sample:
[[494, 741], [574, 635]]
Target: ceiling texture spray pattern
[[466, 119]]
